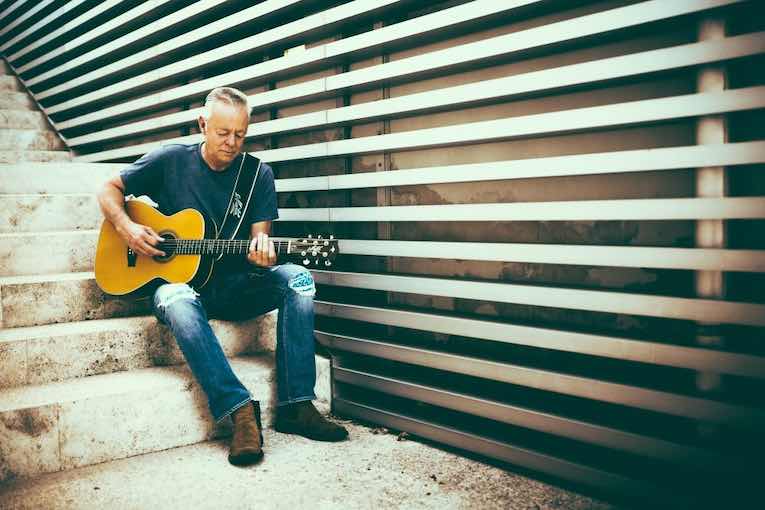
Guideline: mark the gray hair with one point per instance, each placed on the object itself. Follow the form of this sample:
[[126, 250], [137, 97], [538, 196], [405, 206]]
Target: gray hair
[[228, 95]]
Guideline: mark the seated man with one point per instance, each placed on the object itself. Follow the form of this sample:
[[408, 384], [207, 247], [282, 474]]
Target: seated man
[[204, 176]]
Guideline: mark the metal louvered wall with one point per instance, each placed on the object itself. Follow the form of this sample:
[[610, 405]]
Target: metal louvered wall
[[550, 212]]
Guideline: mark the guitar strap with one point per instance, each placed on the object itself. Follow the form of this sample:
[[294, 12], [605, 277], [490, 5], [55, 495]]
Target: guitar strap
[[244, 186]]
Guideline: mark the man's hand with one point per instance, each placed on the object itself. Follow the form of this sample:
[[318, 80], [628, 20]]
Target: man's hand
[[141, 239], [262, 252]]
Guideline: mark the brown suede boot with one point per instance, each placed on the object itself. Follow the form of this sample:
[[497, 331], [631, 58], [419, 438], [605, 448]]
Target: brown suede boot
[[302, 418], [247, 442]]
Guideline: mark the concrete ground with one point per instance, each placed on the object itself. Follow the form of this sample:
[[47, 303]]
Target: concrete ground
[[374, 469]]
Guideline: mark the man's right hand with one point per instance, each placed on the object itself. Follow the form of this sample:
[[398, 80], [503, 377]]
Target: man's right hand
[[141, 239]]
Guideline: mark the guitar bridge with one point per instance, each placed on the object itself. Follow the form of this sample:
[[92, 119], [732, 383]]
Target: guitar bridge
[[131, 257]]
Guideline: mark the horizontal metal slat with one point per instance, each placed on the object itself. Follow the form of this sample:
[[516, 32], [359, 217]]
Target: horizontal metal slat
[[508, 453], [704, 310], [286, 33], [33, 9], [545, 380], [568, 210], [195, 9], [91, 13], [641, 160], [637, 444], [13, 6], [616, 256], [465, 95], [205, 31], [658, 351], [542, 124], [71, 4], [477, 52], [429, 23], [104, 28]]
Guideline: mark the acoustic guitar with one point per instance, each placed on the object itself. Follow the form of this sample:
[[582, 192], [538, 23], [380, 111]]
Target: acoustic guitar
[[190, 248]]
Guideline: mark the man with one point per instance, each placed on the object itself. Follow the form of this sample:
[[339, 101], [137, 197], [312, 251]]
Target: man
[[203, 176]]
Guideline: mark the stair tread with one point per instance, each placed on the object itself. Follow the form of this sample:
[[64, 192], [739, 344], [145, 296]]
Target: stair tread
[[42, 195], [85, 348], [70, 165], [45, 278], [60, 176], [47, 252], [54, 233], [119, 383], [14, 156], [71, 328]]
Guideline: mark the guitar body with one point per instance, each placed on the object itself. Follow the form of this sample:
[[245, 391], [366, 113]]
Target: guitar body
[[119, 271]]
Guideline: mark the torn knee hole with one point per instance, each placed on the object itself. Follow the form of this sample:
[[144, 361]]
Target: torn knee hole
[[178, 292], [302, 284]]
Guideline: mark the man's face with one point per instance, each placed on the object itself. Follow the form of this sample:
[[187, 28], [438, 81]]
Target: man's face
[[224, 132]]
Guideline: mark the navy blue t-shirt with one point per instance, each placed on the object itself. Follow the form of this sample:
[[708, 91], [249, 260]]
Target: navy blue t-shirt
[[177, 177]]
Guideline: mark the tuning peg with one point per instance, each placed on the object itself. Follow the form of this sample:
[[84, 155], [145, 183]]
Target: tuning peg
[[324, 254], [332, 250], [303, 253], [306, 262], [320, 236], [316, 262], [327, 263], [331, 237]]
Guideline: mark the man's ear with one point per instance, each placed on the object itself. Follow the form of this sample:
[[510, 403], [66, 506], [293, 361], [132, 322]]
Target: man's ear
[[202, 124]]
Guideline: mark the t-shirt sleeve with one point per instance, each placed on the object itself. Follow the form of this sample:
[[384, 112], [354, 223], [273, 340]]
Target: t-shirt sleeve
[[144, 177], [264, 204]]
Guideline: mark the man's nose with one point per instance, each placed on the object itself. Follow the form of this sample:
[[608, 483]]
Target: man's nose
[[230, 140]]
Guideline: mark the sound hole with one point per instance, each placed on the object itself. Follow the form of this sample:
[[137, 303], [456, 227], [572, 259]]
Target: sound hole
[[167, 247]]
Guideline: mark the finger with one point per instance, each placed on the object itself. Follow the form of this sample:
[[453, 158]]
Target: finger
[[142, 248], [260, 241], [271, 252], [154, 234], [148, 247], [253, 245], [150, 251], [146, 237], [265, 246]]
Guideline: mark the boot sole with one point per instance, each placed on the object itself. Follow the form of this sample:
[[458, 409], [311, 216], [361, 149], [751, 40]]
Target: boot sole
[[244, 459]]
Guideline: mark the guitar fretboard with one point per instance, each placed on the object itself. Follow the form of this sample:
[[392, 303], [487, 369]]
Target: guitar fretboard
[[215, 246]]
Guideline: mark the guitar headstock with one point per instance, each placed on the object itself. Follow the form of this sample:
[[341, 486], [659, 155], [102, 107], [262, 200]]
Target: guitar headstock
[[316, 251]]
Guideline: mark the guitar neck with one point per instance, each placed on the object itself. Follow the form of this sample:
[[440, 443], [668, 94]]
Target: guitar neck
[[217, 246]]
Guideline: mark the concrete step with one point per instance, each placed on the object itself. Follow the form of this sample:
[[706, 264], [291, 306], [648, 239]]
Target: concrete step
[[373, 470], [65, 425], [59, 352], [12, 157], [50, 299], [38, 253], [30, 139], [20, 119], [56, 177], [10, 100], [49, 213], [10, 82]]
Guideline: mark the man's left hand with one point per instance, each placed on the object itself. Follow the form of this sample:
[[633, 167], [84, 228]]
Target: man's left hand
[[262, 252]]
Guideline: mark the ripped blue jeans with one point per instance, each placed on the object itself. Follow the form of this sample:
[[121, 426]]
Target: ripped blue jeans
[[288, 287]]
